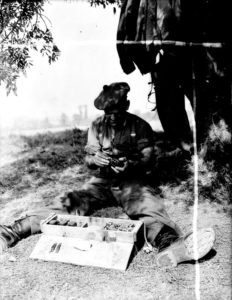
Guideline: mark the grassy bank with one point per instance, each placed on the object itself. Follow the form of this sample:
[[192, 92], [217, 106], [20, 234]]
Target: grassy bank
[[43, 157], [45, 166]]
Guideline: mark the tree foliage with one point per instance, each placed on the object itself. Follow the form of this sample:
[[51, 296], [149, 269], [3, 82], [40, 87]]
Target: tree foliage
[[104, 3], [23, 27]]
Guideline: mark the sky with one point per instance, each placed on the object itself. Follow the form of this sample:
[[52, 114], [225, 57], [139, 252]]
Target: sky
[[86, 37]]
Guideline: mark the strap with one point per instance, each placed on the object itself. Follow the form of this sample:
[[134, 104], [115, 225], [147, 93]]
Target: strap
[[133, 135]]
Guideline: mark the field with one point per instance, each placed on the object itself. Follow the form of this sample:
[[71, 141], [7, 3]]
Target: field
[[38, 170]]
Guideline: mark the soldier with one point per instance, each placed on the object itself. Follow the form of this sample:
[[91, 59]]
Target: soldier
[[120, 149], [155, 36]]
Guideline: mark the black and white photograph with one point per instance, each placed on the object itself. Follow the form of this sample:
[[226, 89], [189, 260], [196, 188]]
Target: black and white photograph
[[115, 150]]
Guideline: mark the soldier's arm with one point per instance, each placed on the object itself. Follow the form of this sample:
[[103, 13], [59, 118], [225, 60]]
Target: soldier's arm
[[99, 159], [142, 162], [90, 162], [145, 158], [145, 147], [94, 156]]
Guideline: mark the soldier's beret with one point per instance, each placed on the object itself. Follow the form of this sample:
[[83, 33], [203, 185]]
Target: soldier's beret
[[112, 96]]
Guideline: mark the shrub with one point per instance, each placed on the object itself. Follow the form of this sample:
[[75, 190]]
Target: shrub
[[74, 137], [214, 166]]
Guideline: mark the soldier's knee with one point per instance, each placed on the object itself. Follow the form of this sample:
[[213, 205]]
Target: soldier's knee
[[77, 202]]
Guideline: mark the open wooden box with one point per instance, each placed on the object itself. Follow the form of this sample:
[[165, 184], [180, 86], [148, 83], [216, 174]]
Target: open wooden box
[[103, 242]]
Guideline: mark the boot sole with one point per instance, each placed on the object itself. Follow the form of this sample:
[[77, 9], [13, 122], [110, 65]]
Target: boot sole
[[183, 249]]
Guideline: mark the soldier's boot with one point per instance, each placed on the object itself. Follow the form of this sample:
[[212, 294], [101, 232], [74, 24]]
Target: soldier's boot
[[10, 235], [174, 250]]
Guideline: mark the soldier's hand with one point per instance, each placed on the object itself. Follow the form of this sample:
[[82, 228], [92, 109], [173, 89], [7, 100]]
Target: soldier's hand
[[101, 159], [123, 168]]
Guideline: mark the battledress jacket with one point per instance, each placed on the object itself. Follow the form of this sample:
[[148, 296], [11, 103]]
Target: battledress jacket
[[135, 135], [143, 21]]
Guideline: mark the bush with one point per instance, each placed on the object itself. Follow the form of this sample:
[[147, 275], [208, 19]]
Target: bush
[[74, 137], [214, 166], [57, 150], [46, 155]]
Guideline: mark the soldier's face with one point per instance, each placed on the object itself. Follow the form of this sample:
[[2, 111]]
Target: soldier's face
[[115, 117]]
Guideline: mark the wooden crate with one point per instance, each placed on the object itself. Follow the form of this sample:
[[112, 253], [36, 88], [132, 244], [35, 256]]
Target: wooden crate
[[90, 244], [92, 228]]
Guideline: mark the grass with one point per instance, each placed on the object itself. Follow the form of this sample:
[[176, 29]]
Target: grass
[[214, 167], [50, 164], [47, 155]]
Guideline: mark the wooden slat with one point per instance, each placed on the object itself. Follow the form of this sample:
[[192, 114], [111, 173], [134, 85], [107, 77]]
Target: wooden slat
[[95, 229], [113, 255]]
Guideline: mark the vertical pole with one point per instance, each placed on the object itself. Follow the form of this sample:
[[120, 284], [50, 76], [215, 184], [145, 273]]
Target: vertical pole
[[195, 209]]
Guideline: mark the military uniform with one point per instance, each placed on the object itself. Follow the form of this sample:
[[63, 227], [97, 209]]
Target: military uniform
[[202, 74], [130, 190], [130, 141]]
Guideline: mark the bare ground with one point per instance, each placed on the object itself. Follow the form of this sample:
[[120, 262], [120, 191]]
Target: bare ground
[[24, 278]]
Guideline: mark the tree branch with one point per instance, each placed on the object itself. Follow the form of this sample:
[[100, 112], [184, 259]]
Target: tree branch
[[17, 22]]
